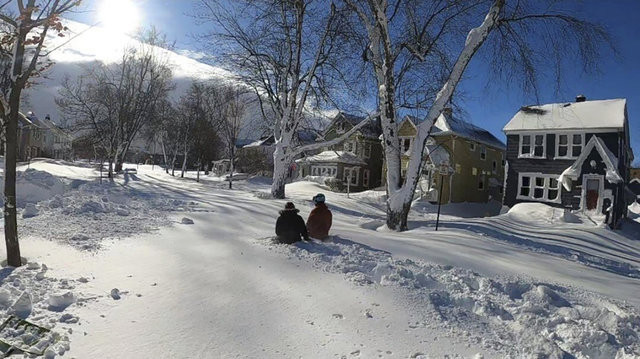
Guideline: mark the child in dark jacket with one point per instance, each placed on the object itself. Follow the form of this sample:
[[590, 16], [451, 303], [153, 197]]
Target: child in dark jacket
[[290, 227]]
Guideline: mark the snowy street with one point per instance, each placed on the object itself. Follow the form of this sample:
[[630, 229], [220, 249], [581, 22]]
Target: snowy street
[[219, 288]]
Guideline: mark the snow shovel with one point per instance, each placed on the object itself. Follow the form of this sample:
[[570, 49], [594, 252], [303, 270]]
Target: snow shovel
[[19, 336]]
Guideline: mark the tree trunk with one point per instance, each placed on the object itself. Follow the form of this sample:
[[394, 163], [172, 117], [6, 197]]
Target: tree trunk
[[233, 168], [184, 162], [398, 207], [164, 157], [280, 167], [11, 157]]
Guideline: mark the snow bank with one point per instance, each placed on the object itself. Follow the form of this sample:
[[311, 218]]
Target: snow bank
[[92, 212], [33, 186], [541, 213], [518, 317]]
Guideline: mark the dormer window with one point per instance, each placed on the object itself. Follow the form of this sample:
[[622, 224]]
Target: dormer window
[[569, 145], [405, 144], [532, 146], [341, 128]]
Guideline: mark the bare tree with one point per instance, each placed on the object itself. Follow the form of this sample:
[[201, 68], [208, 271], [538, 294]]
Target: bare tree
[[115, 102], [22, 52], [402, 33], [288, 52], [232, 123]]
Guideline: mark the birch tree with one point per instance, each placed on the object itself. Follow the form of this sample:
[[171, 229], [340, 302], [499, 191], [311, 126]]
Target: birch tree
[[425, 30], [23, 50], [288, 53]]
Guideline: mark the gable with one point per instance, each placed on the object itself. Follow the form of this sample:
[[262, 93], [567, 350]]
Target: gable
[[608, 158], [407, 128]]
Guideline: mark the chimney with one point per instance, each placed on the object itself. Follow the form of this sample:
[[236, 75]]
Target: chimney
[[448, 111], [581, 98]]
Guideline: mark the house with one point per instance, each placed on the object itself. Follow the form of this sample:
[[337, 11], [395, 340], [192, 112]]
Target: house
[[573, 155], [57, 143], [356, 162], [30, 137], [256, 157], [634, 183], [474, 158]]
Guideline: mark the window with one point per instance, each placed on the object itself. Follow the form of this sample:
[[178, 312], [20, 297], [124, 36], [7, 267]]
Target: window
[[351, 175], [569, 145], [405, 144], [481, 183], [472, 146], [341, 128], [325, 171], [474, 171], [365, 178], [351, 147], [503, 163], [483, 153], [494, 166], [539, 187], [367, 150], [458, 168], [532, 146]]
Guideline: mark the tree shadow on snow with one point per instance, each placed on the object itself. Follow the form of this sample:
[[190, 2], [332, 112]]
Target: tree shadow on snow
[[565, 248]]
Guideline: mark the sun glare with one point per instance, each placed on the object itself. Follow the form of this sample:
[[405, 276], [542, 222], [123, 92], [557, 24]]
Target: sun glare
[[119, 15]]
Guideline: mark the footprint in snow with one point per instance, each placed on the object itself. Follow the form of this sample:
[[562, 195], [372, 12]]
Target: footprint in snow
[[338, 316]]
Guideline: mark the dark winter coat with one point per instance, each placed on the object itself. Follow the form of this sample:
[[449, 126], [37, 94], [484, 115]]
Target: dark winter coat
[[319, 222], [290, 227]]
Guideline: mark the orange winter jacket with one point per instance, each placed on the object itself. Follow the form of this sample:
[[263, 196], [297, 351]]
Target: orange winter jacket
[[319, 222]]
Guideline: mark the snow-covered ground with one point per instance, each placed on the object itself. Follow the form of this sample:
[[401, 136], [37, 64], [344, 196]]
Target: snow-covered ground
[[118, 272]]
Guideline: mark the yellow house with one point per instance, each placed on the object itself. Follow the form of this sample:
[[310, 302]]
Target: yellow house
[[474, 157]]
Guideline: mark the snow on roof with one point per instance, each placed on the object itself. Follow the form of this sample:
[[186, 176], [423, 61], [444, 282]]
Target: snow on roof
[[447, 125], [438, 155], [610, 160], [370, 130], [334, 157], [265, 141], [573, 115]]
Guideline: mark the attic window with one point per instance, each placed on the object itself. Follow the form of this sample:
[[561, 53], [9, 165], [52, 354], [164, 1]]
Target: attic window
[[533, 146], [472, 146], [483, 153]]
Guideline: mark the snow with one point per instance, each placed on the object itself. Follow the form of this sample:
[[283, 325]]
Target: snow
[[524, 284], [449, 126], [333, 157], [574, 115]]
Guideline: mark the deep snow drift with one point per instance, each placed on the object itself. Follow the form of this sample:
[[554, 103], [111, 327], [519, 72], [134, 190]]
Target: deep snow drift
[[194, 274]]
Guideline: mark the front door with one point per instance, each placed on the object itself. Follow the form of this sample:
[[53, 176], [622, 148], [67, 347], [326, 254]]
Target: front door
[[592, 194]]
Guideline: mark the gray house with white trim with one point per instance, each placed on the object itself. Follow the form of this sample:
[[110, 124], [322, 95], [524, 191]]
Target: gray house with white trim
[[573, 155]]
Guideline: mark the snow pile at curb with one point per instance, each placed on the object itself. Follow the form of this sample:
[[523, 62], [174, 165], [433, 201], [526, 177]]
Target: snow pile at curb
[[93, 212], [521, 318], [28, 293], [33, 186]]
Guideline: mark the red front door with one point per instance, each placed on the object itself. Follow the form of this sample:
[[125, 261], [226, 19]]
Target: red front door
[[593, 194]]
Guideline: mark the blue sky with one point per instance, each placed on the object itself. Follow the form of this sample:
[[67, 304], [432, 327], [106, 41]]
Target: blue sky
[[490, 107]]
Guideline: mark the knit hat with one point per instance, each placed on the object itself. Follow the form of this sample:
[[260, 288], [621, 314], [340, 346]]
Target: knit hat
[[319, 198], [289, 206]]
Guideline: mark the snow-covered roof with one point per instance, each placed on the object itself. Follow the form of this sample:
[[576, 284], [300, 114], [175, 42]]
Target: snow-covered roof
[[438, 155], [333, 157], [446, 125], [610, 161], [572, 115], [265, 141], [370, 130]]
